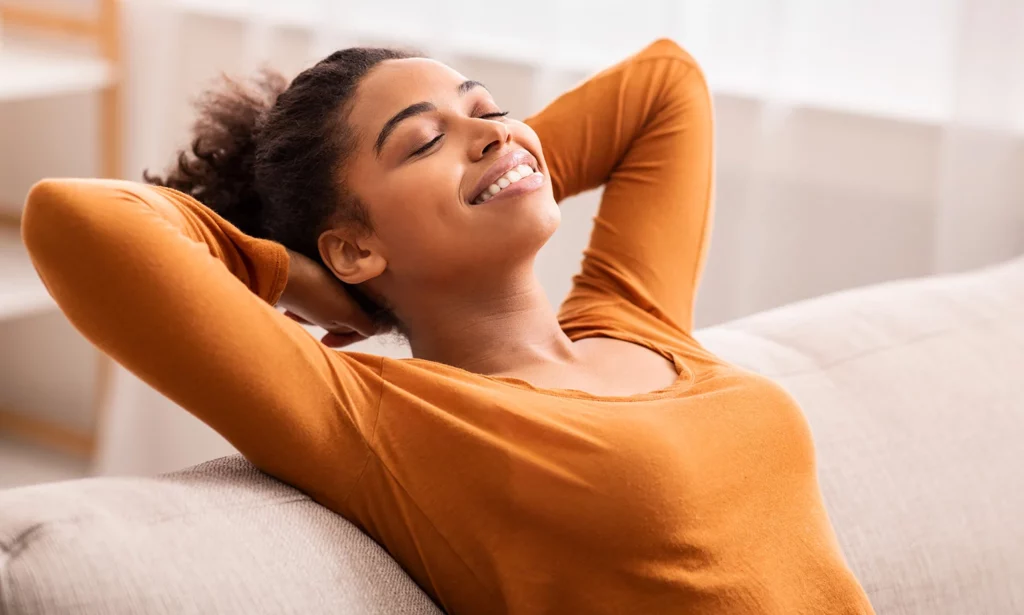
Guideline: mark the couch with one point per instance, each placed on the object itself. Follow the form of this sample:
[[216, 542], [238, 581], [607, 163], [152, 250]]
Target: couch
[[914, 391]]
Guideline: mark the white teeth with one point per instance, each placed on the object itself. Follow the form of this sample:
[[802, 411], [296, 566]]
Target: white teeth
[[512, 176]]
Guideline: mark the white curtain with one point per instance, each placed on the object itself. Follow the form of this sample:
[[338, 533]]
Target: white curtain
[[857, 140]]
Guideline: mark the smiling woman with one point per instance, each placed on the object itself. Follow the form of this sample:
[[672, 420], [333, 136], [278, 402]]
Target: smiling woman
[[434, 141], [594, 460]]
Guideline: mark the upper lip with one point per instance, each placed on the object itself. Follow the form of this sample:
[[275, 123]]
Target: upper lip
[[499, 167]]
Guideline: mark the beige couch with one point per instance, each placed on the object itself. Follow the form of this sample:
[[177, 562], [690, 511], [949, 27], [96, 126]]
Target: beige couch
[[914, 391]]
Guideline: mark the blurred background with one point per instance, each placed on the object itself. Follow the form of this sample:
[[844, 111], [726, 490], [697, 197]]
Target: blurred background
[[858, 141]]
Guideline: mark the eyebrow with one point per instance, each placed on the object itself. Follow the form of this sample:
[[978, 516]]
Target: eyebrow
[[413, 110]]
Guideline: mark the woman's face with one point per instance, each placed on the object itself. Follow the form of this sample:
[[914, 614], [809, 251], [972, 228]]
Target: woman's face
[[428, 143]]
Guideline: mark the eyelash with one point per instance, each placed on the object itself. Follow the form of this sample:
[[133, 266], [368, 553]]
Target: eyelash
[[486, 116]]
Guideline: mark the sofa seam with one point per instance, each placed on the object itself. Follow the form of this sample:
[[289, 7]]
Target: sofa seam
[[152, 521], [11, 551]]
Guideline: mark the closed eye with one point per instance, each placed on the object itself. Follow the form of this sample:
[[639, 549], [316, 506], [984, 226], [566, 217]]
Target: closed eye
[[427, 146], [432, 142]]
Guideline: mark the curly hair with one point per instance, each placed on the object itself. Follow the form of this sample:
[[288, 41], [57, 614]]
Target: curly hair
[[268, 156]]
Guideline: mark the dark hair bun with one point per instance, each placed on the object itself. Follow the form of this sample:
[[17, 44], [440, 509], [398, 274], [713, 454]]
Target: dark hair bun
[[219, 168]]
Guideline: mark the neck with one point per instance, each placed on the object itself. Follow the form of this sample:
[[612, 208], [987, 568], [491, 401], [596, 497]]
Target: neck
[[509, 327]]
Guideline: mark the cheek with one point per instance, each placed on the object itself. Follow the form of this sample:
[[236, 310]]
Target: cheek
[[418, 211], [525, 136]]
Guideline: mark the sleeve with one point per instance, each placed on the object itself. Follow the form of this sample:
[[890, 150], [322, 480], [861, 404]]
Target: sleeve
[[184, 299], [644, 129]]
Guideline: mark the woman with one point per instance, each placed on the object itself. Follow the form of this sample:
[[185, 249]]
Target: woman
[[597, 460]]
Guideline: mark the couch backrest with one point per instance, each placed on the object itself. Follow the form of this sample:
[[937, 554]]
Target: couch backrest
[[221, 537], [914, 392], [915, 395]]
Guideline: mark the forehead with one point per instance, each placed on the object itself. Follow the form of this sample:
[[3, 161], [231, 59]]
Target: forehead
[[393, 85]]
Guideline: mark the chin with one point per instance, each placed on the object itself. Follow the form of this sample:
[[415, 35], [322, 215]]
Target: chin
[[519, 238], [542, 226], [550, 218], [541, 217]]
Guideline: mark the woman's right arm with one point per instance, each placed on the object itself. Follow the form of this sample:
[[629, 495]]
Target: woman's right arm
[[184, 300], [643, 128]]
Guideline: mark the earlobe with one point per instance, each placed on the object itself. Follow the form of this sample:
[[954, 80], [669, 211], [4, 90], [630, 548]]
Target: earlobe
[[352, 260]]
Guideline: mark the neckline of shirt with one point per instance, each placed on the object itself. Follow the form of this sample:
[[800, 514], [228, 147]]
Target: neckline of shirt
[[684, 375]]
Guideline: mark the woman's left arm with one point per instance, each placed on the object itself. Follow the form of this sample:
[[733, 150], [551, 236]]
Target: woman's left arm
[[644, 129]]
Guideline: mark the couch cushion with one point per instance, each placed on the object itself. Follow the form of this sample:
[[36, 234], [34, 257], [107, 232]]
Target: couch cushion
[[218, 538], [915, 395]]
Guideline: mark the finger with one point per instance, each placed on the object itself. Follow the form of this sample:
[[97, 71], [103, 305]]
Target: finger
[[351, 315], [361, 323], [296, 317], [356, 321], [340, 340]]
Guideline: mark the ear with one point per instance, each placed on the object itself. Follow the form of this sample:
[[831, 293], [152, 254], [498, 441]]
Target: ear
[[353, 258]]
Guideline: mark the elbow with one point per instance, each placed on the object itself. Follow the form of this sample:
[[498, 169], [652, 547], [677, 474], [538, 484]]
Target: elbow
[[669, 48], [682, 82], [44, 203], [55, 211]]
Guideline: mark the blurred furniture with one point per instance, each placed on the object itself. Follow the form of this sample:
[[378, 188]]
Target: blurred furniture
[[46, 52], [912, 390]]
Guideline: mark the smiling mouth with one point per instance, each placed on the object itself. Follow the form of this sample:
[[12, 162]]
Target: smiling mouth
[[510, 177]]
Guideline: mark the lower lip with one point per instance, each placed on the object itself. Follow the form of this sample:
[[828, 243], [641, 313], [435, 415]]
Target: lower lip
[[525, 185]]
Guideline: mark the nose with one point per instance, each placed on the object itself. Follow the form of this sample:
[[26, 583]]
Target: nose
[[488, 136]]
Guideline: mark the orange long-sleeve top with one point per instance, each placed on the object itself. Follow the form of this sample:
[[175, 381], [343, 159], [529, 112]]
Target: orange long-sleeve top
[[496, 496]]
